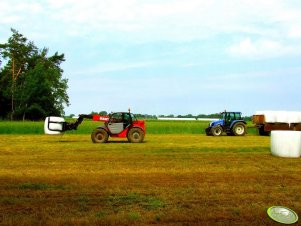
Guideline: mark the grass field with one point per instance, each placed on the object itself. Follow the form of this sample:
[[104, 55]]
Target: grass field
[[170, 179], [152, 126]]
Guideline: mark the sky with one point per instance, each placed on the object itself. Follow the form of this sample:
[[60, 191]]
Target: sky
[[168, 57]]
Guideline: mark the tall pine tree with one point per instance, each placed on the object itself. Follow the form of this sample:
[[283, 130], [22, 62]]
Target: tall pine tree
[[31, 83]]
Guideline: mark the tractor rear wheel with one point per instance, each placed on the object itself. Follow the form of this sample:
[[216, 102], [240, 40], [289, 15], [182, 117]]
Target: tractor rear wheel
[[239, 129], [216, 130], [135, 135], [99, 136]]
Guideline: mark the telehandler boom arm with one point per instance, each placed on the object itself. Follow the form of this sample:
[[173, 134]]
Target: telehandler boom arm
[[74, 125]]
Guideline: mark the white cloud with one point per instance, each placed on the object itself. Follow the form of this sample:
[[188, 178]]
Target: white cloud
[[260, 48], [295, 32], [154, 20]]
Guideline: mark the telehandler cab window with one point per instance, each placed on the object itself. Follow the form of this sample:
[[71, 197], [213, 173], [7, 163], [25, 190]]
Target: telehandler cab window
[[127, 119], [133, 117], [116, 117]]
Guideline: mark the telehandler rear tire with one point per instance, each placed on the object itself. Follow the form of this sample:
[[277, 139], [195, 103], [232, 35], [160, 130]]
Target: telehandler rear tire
[[99, 136], [135, 135]]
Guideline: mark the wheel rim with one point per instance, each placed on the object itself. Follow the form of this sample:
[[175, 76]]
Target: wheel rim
[[99, 136], [136, 136], [217, 131], [239, 130]]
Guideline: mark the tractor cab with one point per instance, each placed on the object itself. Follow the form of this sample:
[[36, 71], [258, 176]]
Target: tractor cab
[[229, 117]]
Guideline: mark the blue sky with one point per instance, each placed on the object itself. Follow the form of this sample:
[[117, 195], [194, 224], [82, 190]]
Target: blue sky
[[169, 57]]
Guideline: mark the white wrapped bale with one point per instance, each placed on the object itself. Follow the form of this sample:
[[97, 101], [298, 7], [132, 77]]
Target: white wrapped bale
[[294, 117], [286, 143], [269, 116], [53, 125], [281, 116]]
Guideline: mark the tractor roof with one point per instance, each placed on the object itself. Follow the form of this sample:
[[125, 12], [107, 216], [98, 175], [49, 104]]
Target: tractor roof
[[232, 112]]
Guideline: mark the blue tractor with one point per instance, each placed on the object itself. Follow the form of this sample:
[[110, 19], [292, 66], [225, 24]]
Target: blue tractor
[[231, 123]]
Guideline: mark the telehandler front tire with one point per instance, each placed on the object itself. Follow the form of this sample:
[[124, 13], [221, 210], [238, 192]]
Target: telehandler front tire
[[135, 135]]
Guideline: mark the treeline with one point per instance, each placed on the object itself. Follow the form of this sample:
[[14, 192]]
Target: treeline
[[103, 113], [146, 116], [31, 83], [213, 116], [191, 116]]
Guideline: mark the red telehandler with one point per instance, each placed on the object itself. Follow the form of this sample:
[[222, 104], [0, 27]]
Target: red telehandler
[[118, 124]]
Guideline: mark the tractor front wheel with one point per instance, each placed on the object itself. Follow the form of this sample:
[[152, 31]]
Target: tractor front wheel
[[239, 129], [216, 130], [208, 131], [99, 136], [135, 135]]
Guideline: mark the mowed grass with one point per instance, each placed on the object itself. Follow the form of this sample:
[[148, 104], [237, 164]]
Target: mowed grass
[[175, 179]]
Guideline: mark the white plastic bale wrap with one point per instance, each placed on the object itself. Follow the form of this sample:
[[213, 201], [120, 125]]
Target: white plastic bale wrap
[[270, 116], [53, 125], [294, 117], [280, 116], [286, 143]]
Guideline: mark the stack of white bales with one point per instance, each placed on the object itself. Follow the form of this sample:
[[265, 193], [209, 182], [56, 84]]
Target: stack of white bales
[[284, 143], [281, 116]]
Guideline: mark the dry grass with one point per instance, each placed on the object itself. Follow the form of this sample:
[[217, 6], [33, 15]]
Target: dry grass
[[168, 180]]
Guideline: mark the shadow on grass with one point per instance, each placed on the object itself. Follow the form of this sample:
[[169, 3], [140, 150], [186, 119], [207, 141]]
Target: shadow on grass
[[109, 142]]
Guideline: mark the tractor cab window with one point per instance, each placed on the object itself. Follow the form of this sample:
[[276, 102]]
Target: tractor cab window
[[231, 116], [223, 116], [116, 117], [237, 115], [227, 116]]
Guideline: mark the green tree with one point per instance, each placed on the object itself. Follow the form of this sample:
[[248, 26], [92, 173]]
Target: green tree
[[17, 51], [103, 113], [31, 82]]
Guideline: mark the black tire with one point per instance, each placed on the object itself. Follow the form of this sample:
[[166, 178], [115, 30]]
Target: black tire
[[230, 133], [216, 130], [99, 136], [208, 131], [239, 129], [135, 135], [262, 132]]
